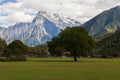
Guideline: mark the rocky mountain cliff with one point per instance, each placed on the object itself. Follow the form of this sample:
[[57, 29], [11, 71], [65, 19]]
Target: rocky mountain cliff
[[43, 27]]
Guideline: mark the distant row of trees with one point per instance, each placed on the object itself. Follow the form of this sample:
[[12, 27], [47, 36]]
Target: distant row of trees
[[17, 51], [38, 51]]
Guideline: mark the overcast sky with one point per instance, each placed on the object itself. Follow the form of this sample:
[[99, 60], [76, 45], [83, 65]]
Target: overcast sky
[[13, 11]]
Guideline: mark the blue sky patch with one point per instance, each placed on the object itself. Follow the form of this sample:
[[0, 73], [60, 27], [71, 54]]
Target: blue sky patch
[[5, 1], [32, 14], [4, 14]]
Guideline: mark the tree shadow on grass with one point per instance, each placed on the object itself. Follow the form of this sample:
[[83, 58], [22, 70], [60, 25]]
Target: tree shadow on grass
[[50, 61], [58, 61]]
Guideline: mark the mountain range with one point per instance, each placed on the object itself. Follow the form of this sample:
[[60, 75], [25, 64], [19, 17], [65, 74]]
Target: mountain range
[[106, 22], [45, 26], [40, 30]]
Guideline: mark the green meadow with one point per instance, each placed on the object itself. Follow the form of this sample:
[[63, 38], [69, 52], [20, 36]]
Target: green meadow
[[61, 69]]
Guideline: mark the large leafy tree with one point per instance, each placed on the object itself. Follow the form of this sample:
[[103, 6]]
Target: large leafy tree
[[55, 46], [15, 51], [75, 40]]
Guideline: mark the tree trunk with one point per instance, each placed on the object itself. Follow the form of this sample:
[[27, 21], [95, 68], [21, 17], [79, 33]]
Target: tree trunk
[[75, 57]]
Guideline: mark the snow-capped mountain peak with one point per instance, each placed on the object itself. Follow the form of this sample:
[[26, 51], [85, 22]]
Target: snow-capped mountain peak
[[41, 29]]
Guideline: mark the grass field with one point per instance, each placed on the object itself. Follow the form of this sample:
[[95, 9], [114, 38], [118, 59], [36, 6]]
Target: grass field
[[61, 69]]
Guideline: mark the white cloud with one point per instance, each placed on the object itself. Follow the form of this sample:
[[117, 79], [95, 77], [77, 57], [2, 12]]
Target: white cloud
[[82, 10], [15, 13], [16, 17]]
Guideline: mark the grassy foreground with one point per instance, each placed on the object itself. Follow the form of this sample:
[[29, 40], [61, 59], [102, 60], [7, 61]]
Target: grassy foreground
[[61, 69]]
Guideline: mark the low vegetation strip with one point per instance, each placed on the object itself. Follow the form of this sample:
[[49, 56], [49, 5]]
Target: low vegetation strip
[[61, 69]]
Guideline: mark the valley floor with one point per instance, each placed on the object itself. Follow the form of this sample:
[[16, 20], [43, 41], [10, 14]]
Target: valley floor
[[61, 69]]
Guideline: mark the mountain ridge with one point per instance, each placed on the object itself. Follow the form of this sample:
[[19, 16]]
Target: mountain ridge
[[40, 30], [106, 22]]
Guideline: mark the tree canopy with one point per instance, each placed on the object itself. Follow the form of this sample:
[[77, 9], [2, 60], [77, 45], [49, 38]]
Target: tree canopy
[[75, 40], [16, 50], [110, 45], [3, 44]]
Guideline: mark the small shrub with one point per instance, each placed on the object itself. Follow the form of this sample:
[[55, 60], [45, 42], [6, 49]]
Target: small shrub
[[3, 59], [16, 58]]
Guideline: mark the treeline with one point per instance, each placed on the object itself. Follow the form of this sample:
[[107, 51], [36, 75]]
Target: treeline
[[109, 45], [38, 51], [18, 51]]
